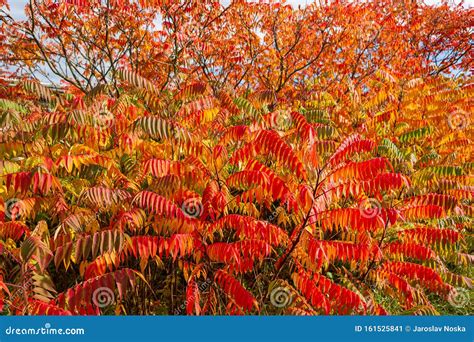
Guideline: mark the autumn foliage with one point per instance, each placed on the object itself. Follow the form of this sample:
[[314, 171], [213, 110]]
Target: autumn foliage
[[252, 158]]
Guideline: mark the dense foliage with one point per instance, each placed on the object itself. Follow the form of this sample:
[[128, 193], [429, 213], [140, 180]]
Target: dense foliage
[[303, 178]]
